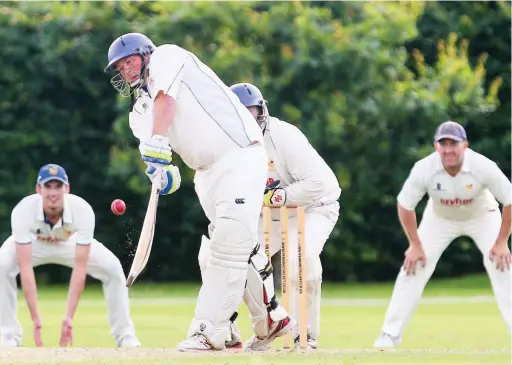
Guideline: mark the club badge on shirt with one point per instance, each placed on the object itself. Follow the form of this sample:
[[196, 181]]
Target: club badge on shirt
[[271, 165]]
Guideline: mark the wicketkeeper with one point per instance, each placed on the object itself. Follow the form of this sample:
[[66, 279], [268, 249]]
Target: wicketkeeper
[[297, 175]]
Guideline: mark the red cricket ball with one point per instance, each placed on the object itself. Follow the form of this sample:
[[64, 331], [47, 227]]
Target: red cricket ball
[[118, 207]]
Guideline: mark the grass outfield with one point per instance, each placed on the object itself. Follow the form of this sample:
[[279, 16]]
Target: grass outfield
[[456, 323]]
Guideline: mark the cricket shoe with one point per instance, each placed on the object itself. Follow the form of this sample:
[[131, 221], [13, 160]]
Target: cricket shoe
[[197, 342], [386, 340], [236, 338], [128, 341], [312, 343], [276, 329], [234, 344]]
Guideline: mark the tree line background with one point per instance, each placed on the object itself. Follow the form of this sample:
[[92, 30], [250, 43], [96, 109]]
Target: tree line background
[[366, 82]]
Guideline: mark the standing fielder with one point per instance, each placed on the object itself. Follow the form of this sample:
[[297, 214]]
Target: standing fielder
[[205, 123], [55, 227], [299, 176], [462, 186]]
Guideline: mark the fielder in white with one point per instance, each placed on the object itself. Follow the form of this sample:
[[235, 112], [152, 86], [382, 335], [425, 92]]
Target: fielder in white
[[297, 174], [463, 186], [55, 227], [197, 115]]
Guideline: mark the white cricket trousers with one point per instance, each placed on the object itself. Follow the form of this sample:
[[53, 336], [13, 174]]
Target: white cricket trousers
[[436, 234], [231, 194], [318, 225], [102, 265]]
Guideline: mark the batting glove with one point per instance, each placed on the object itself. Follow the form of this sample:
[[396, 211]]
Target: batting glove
[[170, 178], [156, 151]]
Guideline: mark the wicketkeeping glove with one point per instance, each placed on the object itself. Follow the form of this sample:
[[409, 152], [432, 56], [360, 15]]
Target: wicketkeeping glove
[[156, 151], [170, 178], [274, 195]]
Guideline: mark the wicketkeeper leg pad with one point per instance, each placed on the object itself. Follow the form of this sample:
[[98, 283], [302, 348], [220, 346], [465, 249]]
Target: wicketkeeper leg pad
[[313, 291]]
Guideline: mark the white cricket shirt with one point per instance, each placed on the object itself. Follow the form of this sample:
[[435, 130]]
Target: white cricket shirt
[[28, 221], [292, 160], [210, 122], [471, 193]]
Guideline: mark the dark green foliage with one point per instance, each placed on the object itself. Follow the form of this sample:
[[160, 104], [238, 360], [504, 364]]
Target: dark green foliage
[[366, 82]]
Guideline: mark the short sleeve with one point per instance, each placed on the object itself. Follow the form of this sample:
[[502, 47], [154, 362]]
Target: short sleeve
[[499, 184], [85, 223], [20, 224], [413, 190], [166, 70]]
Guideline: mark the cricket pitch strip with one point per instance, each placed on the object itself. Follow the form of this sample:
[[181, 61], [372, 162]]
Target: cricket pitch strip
[[100, 355]]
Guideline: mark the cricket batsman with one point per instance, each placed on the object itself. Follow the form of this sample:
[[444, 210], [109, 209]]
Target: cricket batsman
[[464, 188], [195, 115], [56, 227], [296, 174], [270, 319]]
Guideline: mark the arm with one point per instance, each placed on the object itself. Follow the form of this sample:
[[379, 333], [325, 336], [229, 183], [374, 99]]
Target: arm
[[166, 69], [78, 276], [28, 279], [501, 188], [20, 226], [164, 109], [505, 225], [412, 192], [409, 225], [313, 178], [85, 221]]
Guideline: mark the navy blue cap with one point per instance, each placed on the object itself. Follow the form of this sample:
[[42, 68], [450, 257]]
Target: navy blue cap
[[52, 172], [451, 130]]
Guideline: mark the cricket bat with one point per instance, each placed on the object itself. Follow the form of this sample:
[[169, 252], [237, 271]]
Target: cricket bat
[[146, 237]]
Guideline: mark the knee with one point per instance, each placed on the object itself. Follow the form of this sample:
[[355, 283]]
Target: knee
[[231, 244], [492, 270], [204, 253], [313, 269], [105, 266], [8, 262], [113, 266], [422, 273]]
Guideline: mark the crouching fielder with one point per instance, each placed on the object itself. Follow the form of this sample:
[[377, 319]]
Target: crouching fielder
[[461, 185], [55, 227], [298, 175]]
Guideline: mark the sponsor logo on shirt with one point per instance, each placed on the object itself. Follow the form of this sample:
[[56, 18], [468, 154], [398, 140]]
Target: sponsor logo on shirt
[[456, 202], [53, 240]]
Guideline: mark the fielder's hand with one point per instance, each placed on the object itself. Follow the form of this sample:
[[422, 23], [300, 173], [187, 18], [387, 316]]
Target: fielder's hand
[[500, 254], [413, 256], [170, 178], [66, 337], [156, 151], [38, 325]]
